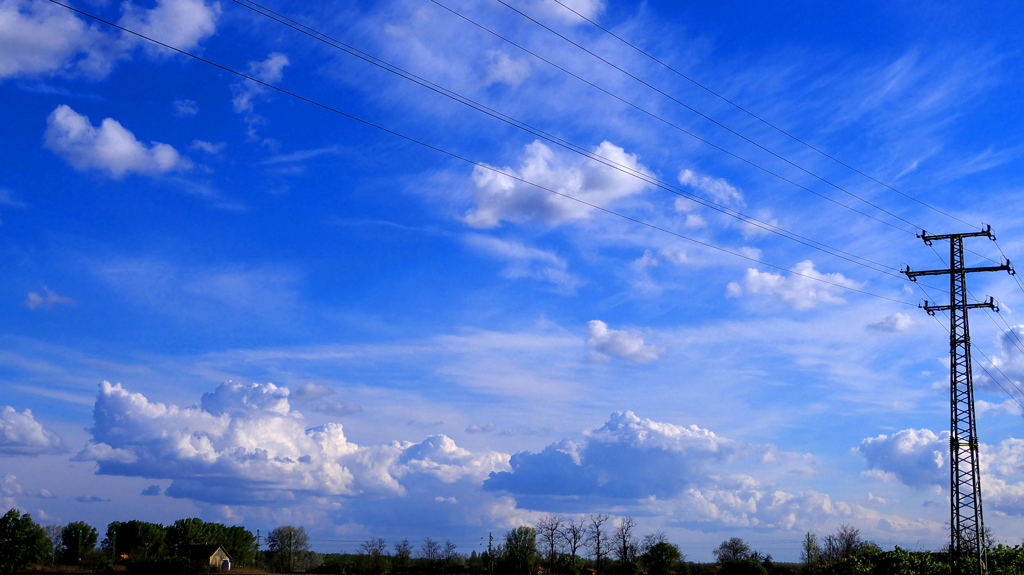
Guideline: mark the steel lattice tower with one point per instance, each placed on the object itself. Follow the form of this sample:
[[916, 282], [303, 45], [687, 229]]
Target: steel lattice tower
[[967, 525]]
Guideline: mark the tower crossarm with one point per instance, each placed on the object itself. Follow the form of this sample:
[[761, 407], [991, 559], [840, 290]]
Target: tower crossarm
[[931, 309], [929, 238], [913, 275]]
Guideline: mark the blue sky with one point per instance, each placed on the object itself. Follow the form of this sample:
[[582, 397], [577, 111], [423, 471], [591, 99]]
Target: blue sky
[[222, 300]]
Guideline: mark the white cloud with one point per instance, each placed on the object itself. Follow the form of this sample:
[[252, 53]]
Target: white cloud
[[312, 391], [179, 23], [337, 407], [672, 471], [244, 445], [270, 70], [21, 434], [1007, 407], [208, 147], [9, 487], [46, 300], [39, 37], [7, 198], [527, 262], [503, 69], [628, 457], [896, 323], [186, 108], [110, 148], [501, 198], [718, 190], [245, 91], [917, 457], [607, 342], [591, 9], [754, 505], [801, 291]]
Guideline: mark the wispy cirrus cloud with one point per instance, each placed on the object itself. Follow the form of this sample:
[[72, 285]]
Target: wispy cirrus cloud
[[46, 300], [525, 262]]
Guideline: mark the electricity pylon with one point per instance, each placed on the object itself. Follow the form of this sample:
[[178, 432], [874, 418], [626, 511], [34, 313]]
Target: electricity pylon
[[967, 526]]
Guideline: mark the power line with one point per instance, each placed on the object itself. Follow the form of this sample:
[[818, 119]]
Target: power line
[[982, 366], [759, 118], [467, 160], [670, 124], [575, 148], [701, 114]]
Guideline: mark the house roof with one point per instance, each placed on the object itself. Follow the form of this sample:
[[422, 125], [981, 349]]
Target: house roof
[[206, 551]]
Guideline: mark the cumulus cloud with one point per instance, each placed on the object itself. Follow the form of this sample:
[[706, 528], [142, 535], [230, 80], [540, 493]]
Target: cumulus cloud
[[607, 342], [46, 300], [110, 148], [179, 23], [21, 434], [245, 445], [628, 457], [527, 262], [801, 291], [39, 38], [1010, 360], [896, 323], [501, 198], [752, 504], [718, 190], [917, 457]]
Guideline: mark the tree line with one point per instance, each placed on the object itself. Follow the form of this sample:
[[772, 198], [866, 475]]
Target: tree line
[[554, 545]]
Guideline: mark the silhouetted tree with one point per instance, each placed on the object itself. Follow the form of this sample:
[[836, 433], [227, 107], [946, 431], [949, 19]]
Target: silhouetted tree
[[448, 554], [403, 552], [56, 543], [78, 539], [290, 548], [549, 531], [661, 558], [810, 554], [375, 549], [734, 549], [597, 538], [22, 542], [519, 555], [136, 539], [624, 537], [574, 534]]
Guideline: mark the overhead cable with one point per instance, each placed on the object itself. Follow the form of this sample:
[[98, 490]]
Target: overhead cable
[[759, 118], [575, 148], [456, 156]]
